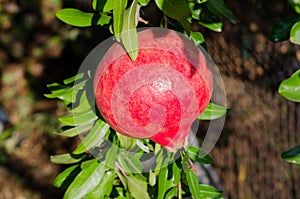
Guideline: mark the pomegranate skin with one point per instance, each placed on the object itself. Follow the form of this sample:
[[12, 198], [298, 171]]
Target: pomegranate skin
[[160, 94]]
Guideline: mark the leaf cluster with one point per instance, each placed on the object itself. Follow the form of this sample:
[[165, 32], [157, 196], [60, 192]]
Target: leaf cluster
[[289, 29], [107, 164], [121, 17]]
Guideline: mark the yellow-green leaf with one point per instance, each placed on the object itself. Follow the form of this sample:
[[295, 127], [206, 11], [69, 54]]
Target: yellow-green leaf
[[129, 35], [118, 14]]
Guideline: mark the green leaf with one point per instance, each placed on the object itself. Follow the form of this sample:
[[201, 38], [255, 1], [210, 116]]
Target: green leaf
[[209, 191], [79, 118], [118, 14], [126, 142], [78, 18], [290, 88], [104, 188], [195, 10], [200, 1], [111, 156], [74, 131], [67, 158], [173, 193], [176, 173], [103, 5], [197, 37], [131, 163], [219, 8], [129, 33], [193, 184], [73, 79], [85, 181], [143, 2], [212, 112], [176, 9], [199, 156], [94, 138], [292, 155], [65, 178], [152, 178], [281, 30], [165, 182], [296, 5], [216, 26], [65, 93], [83, 104], [141, 145], [137, 188], [158, 162], [122, 178], [295, 33]]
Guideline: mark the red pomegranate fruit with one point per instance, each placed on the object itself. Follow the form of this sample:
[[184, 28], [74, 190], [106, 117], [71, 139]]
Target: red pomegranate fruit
[[160, 94]]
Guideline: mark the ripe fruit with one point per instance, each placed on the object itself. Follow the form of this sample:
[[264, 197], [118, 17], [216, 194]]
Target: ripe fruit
[[160, 94]]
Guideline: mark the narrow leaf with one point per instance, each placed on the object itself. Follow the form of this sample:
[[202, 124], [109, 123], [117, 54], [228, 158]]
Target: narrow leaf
[[141, 145], [78, 18], [72, 80], [176, 173], [173, 193], [65, 93], [94, 138], [290, 88], [74, 131], [67, 158], [83, 104], [212, 112], [137, 188], [152, 178], [193, 184], [164, 182], [126, 142], [86, 181], [104, 188], [129, 33], [292, 155], [134, 163], [79, 118], [111, 156], [209, 191], [218, 7], [119, 7], [65, 178], [197, 155]]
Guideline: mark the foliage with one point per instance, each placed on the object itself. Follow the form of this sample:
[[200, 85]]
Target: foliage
[[107, 164], [289, 28], [290, 88], [179, 15], [292, 155], [116, 172]]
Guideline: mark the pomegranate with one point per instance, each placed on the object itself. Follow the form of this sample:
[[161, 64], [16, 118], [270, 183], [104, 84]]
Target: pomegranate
[[160, 94]]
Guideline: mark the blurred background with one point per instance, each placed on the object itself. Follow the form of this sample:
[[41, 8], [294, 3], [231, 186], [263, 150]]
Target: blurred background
[[36, 49]]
